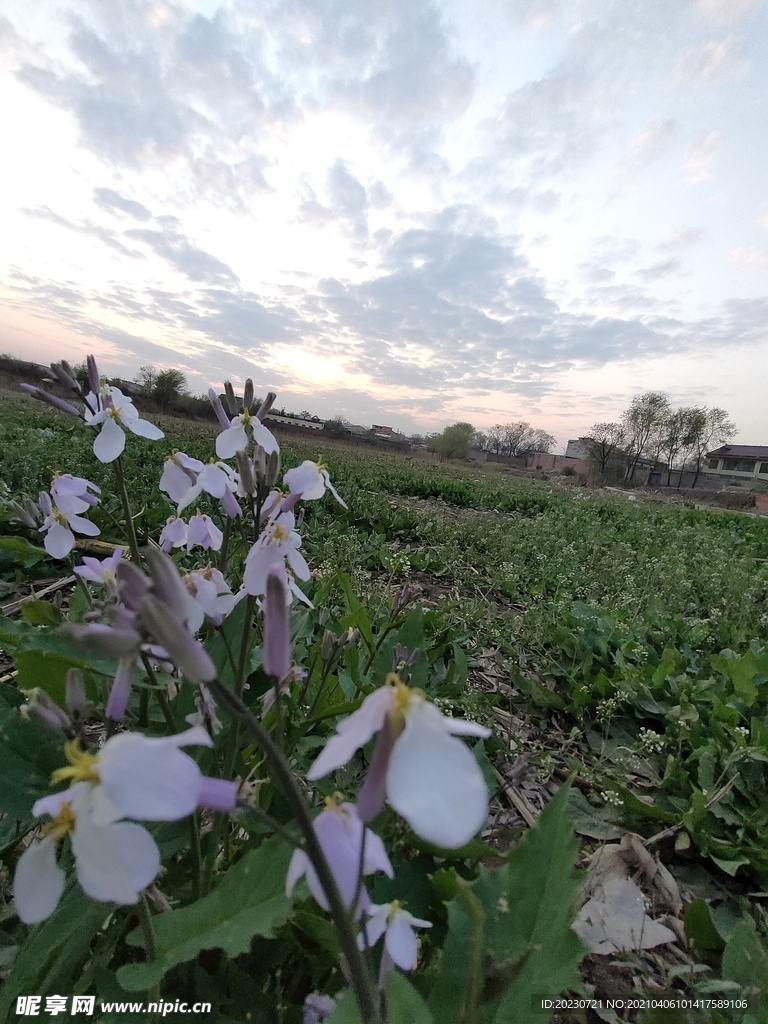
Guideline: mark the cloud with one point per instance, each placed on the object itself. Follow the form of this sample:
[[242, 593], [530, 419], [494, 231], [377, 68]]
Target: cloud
[[701, 159], [681, 237], [348, 202], [658, 271], [83, 228], [110, 200], [647, 145], [725, 10], [169, 244], [747, 254], [709, 61]]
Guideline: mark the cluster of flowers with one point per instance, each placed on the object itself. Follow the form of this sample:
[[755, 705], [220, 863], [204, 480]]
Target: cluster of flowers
[[419, 765]]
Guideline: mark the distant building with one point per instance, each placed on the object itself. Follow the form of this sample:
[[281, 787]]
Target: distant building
[[382, 431], [294, 421], [740, 463], [578, 449]]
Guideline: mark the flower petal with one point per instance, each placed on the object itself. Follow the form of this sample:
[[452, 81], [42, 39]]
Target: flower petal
[[231, 440], [296, 869], [143, 428], [435, 783], [38, 882], [401, 942], [353, 732], [59, 541], [110, 443], [84, 526], [147, 780]]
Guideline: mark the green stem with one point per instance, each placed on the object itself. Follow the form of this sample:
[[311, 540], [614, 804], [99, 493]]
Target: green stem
[[273, 823], [130, 529], [362, 984], [225, 546], [197, 860], [162, 700], [145, 920]]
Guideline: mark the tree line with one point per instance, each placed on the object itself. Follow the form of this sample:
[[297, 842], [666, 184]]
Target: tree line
[[651, 429], [517, 440]]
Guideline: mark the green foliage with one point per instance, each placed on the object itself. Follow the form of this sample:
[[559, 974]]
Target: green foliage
[[454, 441]]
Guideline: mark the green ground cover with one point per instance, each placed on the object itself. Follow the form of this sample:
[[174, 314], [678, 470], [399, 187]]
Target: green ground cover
[[638, 629]]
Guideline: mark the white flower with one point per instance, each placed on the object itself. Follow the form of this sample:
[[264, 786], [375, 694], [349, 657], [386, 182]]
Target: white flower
[[174, 534], [279, 543], [235, 437], [427, 775], [58, 528], [213, 599], [203, 531], [102, 572], [179, 475], [70, 493], [396, 925], [115, 412], [310, 480], [136, 776], [340, 833], [114, 861]]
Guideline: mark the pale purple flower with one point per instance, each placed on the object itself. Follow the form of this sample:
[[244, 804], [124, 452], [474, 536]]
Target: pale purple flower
[[310, 480], [396, 925], [317, 1008], [114, 413], [212, 597], [179, 475], [427, 775], [70, 493], [235, 438], [279, 543], [59, 528], [214, 479], [102, 572], [113, 861], [340, 833], [174, 534], [206, 711], [203, 531], [148, 778]]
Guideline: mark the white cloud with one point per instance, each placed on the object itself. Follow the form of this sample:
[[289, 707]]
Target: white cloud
[[701, 159], [651, 142], [709, 61], [747, 254]]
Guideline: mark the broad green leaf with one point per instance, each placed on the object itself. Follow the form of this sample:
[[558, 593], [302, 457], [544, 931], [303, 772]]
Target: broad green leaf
[[250, 900], [700, 929], [533, 912], [19, 550], [40, 613], [456, 991], [54, 950], [346, 1011], [745, 961], [595, 822], [404, 1004], [29, 752]]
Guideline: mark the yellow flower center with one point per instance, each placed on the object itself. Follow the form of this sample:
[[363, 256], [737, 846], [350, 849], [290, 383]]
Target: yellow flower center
[[114, 413], [60, 518], [402, 696], [394, 910], [63, 823], [81, 768], [245, 419], [280, 533]]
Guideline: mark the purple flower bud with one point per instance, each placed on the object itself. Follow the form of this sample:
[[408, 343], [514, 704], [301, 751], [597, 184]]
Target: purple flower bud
[[370, 800], [217, 794], [94, 381], [22, 515], [74, 695], [32, 509], [266, 405], [230, 396], [114, 643], [245, 469], [328, 645], [117, 701], [166, 582], [218, 408], [277, 638], [57, 403], [46, 710], [230, 505], [248, 394], [132, 585], [63, 372], [185, 652], [273, 469]]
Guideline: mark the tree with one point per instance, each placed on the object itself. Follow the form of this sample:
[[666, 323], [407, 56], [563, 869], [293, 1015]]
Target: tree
[[640, 421], [168, 386], [146, 377], [603, 441], [335, 427], [677, 436], [454, 441], [710, 427], [518, 439]]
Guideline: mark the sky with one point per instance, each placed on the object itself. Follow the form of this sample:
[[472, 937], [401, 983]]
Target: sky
[[406, 212]]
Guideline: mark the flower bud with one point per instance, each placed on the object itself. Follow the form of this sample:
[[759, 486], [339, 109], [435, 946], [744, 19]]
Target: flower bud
[[248, 394], [47, 711], [266, 405], [349, 638], [22, 515], [185, 652], [63, 372], [230, 396], [277, 634], [32, 509], [94, 381], [273, 469], [57, 403], [77, 703], [245, 469], [218, 408], [328, 645]]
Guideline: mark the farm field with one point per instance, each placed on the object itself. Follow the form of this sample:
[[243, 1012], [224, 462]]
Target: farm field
[[621, 643]]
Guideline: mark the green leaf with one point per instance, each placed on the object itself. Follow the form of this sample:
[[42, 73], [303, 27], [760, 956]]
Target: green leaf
[[534, 913], [53, 951], [745, 961], [346, 1011], [28, 754], [404, 1004], [595, 822], [250, 900], [456, 990], [700, 929], [41, 613], [21, 551]]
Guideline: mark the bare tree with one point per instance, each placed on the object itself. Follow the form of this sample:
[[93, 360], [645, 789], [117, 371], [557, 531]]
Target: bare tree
[[711, 427], [678, 432], [603, 441], [641, 421], [146, 377]]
